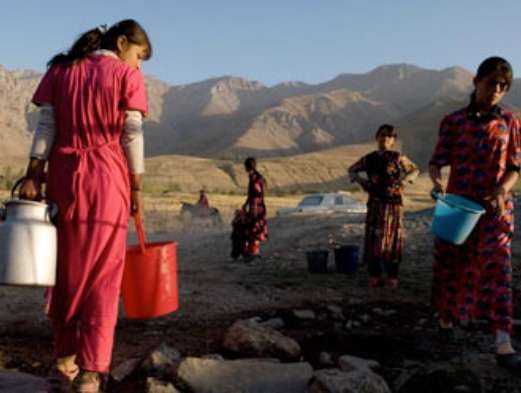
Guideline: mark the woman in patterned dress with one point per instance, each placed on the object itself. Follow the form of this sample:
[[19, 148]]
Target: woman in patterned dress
[[387, 173], [481, 145], [255, 209]]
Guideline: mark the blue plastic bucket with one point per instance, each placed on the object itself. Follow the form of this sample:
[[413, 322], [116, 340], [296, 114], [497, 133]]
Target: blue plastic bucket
[[346, 259], [317, 261], [455, 217]]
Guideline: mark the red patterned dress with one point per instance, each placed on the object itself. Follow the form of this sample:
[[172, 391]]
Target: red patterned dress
[[257, 225], [384, 221], [473, 280]]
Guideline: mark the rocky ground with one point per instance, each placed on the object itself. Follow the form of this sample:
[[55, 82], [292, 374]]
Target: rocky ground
[[328, 315]]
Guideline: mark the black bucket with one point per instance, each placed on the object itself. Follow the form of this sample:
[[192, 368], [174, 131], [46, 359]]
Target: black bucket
[[346, 259], [317, 261]]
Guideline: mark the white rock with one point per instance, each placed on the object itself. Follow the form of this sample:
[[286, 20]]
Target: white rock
[[251, 339], [353, 363], [124, 369], [162, 360], [336, 381], [365, 318], [274, 323], [157, 386], [326, 359], [304, 314], [237, 376], [336, 312]]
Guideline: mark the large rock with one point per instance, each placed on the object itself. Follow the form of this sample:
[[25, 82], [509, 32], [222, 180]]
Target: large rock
[[353, 363], [248, 338], [237, 376], [157, 386], [163, 360], [124, 369], [15, 382], [337, 381]]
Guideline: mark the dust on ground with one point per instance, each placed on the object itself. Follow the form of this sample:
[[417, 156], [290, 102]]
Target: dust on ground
[[215, 291]]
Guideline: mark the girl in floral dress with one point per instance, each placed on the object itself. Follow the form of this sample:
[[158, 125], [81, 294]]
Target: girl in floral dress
[[481, 144], [387, 173]]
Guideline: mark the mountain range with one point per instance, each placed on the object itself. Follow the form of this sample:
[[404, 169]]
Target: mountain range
[[230, 117]]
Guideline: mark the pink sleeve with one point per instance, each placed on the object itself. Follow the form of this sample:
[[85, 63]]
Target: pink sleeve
[[134, 94], [44, 91]]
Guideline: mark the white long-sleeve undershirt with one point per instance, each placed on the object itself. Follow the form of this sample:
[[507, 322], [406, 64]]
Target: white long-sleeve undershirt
[[132, 139]]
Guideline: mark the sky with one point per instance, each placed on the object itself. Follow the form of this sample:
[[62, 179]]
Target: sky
[[273, 41]]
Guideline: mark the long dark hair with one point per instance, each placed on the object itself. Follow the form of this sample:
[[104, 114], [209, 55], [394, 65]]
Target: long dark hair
[[97, 38], [386, 129], [491, 65], [496, 64], [250, 164]]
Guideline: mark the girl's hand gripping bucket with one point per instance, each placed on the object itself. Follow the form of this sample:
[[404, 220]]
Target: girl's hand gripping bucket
[[455, 217], [149, 286]]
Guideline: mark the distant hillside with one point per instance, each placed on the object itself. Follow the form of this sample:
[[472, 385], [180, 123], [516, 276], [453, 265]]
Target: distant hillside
[[229, 117], [419, 130], [324, 170]]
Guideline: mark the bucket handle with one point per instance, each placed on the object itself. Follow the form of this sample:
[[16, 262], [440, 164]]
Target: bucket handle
[[53, 207], [437, 195], [16, 185], [140, 231], [19, 182]]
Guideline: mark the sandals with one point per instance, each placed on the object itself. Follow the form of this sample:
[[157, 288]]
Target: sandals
[[61, 382], [392, 283], [87, 382], [378, 282], [375, 282]]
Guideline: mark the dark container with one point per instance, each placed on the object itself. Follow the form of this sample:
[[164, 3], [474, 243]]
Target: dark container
[[346, 259], [317, 261]]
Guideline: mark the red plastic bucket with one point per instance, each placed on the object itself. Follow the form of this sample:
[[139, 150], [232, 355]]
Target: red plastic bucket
[[149, 286]]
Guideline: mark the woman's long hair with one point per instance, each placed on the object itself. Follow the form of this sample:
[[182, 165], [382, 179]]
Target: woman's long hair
[[98, 38], [491, 65]]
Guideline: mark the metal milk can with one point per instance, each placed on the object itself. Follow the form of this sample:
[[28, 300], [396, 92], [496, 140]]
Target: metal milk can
[[28, 243]]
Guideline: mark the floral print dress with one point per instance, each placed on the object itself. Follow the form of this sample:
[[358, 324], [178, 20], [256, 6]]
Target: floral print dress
[[384, 221], [473, 280]]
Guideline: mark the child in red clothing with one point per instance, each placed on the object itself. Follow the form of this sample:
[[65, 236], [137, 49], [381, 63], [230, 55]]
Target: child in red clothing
[[92, 101]]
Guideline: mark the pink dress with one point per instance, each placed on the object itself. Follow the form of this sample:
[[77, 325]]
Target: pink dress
[[88, 179]]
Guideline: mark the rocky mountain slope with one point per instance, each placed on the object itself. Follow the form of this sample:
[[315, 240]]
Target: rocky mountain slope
[[229, 116]]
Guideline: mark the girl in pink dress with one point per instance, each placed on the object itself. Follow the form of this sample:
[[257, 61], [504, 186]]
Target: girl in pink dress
[[93, 98]]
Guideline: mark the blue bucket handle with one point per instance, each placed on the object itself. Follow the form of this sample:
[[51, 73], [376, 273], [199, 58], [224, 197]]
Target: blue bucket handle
[[439, 196], [435, 195]]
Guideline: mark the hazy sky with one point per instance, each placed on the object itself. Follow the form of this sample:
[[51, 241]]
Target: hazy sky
[[274, 41]]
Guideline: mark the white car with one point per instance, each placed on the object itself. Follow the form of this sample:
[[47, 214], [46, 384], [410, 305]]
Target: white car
[[325, 203]]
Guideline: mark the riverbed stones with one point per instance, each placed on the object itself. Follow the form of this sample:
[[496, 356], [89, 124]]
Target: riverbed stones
[[338, 381], [238, 376], [248, 338], [16, 382]]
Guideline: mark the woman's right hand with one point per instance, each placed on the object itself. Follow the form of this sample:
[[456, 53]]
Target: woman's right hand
[[365, 184], [437, 188], [136, 203], [31, 189]]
